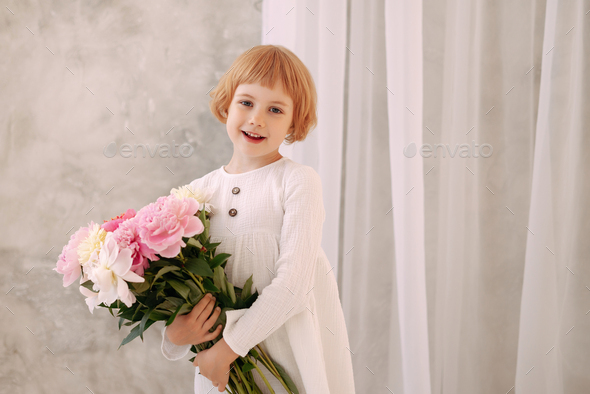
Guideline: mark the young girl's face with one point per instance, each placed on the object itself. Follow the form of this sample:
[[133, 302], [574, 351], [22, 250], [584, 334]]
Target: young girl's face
[[267, 113]]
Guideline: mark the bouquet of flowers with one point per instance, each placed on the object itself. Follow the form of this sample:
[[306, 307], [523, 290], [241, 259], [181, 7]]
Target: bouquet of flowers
[[158, 263]]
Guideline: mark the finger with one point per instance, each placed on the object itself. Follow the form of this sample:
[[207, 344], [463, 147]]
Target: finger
[[214, 334], [212, 319], [201, 305], [206, 312]]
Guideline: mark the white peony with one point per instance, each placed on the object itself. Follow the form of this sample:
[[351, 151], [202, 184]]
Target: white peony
[[89, 248], [201, 195], [111, 274], [91, 298]]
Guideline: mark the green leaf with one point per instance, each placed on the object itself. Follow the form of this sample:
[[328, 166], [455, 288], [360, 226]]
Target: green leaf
[[88, 284], [286, 378], [219, 259], [224, 300], [127, 314], [135, 333], [158, 314], [133, 318], [171, 319], [247, 288], [143, 322], [221, 319], [203, 216], [231, 292], [210, 246], [247, 367], [254, 353], [185, 308], [167, 268], [198, 267], [250, 300], [180, 287], [209, 286], [194, 242], [159, 263], [178, 274], [171, 304], [196, 293], [219, 279], [141, 287], [121, 320]]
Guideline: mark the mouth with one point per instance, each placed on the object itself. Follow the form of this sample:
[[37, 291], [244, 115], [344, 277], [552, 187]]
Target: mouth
[[260, 138]]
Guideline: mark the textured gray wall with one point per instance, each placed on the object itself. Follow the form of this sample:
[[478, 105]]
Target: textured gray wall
[[75, 77]]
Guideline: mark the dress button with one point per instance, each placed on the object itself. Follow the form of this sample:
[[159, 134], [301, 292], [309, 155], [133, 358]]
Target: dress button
[[235, 190], [233, 212]]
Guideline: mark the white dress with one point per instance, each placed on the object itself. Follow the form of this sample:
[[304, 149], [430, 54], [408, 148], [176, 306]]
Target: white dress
[[275, 235]]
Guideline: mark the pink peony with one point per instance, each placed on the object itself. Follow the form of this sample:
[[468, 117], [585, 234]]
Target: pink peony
[[68, 263], [114, 223], [127, 237], [163, 224]]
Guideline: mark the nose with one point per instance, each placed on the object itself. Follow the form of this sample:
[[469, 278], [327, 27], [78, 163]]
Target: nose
[[257, 118]]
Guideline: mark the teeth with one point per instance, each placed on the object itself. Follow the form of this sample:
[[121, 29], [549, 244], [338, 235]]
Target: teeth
[[252, 135]]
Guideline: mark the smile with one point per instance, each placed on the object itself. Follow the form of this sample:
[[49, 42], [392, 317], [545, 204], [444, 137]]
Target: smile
[[252, 137]]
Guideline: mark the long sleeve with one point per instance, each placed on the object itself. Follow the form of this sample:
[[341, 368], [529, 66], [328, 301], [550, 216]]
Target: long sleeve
[[290, 290], [171, 351]]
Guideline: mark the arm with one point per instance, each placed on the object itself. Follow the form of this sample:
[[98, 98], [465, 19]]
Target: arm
[[289, 292], [171, 351]]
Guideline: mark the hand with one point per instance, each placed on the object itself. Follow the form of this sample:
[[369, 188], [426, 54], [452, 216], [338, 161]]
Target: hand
[[215, 363], [193, 328]]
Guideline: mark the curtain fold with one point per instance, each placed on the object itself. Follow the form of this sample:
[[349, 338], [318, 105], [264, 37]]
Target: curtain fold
[[403, 37], [451, 145], [553, 343], [316, 33]]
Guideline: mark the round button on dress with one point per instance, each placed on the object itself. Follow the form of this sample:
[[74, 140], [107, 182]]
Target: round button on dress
[[235, 190], [233, 212]]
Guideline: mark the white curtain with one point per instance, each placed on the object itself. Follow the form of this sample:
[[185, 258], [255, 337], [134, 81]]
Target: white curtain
[[457, 273]]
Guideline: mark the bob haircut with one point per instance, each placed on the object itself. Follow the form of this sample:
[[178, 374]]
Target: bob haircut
[[266, 65]]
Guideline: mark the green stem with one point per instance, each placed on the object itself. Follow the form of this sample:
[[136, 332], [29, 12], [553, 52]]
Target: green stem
[[236, 383], [271, 367], [261, 374], [196, 281], [243, 378]]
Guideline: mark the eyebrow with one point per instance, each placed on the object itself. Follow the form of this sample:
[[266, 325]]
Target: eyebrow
[[272, 102]]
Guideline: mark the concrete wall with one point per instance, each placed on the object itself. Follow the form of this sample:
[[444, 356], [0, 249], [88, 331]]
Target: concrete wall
[[74, 78]]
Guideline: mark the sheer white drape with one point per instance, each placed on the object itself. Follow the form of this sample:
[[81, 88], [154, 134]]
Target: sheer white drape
[[554, 334], [477, 281], [291, 24]]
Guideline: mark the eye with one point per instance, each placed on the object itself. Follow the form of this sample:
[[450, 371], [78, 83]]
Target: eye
[[277, 110], [244, 101]]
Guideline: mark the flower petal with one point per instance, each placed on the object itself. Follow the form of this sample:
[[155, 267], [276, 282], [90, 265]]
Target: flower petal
[[122, 262]]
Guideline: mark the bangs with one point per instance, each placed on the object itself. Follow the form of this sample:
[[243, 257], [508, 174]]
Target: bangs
[[267, 68]]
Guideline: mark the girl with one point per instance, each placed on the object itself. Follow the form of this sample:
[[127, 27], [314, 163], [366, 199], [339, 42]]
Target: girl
[[269, 215]]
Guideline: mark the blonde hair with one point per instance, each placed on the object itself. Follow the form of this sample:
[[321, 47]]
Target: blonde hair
[[266, 65]]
